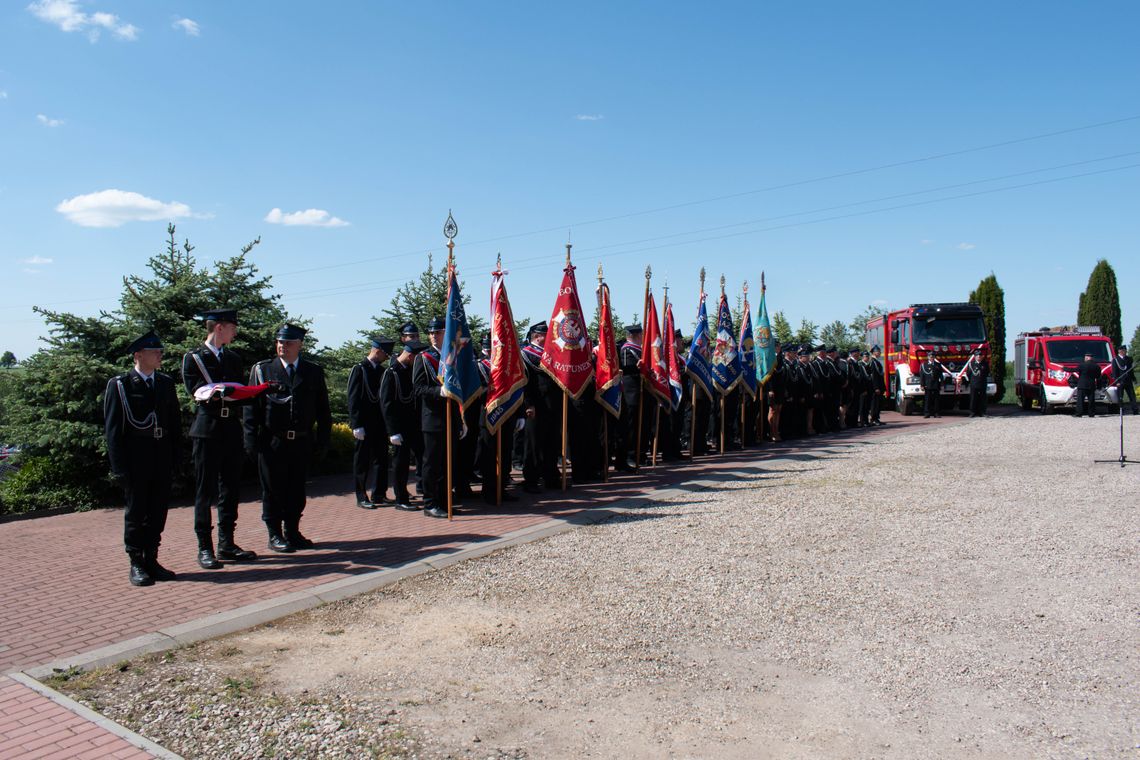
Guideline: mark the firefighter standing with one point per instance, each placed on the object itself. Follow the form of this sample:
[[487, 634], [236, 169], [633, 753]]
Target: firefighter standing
[[932, 374], [1088, 373], [977, 373], [1125, 376]]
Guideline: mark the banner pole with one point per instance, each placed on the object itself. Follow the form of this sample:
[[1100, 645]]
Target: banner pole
[[499, 467], [722, 424], [693, 424], [641, 375], [743, 416], [605, 446], [565, 405], [656, 427], [761, 418], [449, 495]]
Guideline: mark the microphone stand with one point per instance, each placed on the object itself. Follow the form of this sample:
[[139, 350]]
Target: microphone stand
[[1123, 460]]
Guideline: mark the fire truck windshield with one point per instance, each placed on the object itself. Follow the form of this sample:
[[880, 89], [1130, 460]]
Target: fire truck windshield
[[948, 330], [1073, 351]]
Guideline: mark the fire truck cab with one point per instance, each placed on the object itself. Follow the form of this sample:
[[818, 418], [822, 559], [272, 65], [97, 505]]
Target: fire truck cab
[[951, 330], [1044, 359]]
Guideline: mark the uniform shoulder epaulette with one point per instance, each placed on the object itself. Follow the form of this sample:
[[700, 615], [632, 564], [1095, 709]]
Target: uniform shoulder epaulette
[[163, 374]]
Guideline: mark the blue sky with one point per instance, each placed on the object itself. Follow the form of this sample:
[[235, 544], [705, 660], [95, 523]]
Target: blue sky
[[679, 135]]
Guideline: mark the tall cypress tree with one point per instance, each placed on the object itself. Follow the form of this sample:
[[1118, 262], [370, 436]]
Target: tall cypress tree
[[1100, 303], [991, 298]]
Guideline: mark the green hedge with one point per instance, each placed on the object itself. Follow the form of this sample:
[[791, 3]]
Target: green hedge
[[41, 483]]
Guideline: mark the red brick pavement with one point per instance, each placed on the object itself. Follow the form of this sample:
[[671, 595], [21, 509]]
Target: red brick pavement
[[65, 587], [33, 726]]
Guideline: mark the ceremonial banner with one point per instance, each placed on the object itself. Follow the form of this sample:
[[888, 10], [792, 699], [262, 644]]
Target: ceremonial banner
[[566, 356], [652, 362], [607, 380], [699, 359], [457, 371], [508, 376], [725, 358], [747, 356], [765, 345], [672, 360]]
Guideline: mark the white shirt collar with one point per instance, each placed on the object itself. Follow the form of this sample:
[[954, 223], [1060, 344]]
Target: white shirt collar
[[217, 350], [145, 377], [286, 364]]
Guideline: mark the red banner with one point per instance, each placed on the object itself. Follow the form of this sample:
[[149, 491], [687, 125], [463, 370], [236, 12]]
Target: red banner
[[567, 355], [508, 376], [607, 375], [652, 364], [672, 360]]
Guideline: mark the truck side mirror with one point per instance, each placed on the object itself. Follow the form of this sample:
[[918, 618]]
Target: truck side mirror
[[894, 336], [1034, 364]]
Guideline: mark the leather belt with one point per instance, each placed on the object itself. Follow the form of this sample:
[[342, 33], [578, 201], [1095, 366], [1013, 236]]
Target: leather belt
[[290, 435]]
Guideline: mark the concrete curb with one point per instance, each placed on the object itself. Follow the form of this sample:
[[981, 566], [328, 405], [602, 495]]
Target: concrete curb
[[91, 716]]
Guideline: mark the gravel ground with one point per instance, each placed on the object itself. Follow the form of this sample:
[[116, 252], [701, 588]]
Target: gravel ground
[[965, 591]]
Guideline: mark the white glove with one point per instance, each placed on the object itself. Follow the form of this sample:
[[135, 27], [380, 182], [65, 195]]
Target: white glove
[[520, 423], [462, 429], [396, 440], [358, 433]]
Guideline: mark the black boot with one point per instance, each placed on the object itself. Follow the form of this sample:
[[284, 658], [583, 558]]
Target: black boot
[[139, 575], [230, 551], [277, 542], [295, 538], [207, 560], [157, 571]]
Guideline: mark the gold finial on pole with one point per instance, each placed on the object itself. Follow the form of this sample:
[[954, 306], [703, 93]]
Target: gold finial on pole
[[722, 284], [746, 294], [648, 272], [763, 287], [600, 277], [568, 247], [450, 230], [702, 281], [499, 261]]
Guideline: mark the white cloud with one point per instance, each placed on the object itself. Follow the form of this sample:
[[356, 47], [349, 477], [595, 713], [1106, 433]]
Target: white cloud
[[66, 15], [589, 117], [36, 260], [926, 241], [188, 26], [3, 94], [114, 208], [48, 122], [966, 246], [313, 217]]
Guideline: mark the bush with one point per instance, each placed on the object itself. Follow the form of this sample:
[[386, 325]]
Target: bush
[[339, 458], [43, 483]]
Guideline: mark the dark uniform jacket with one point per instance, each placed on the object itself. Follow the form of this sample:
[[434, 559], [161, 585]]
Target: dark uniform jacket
[[629, 355], [977, 372], [878, 381], [292, 409], [428, 389], [1088, 375], [1123, 371], [931, 376], [136, 418], [541, 390], [364, 397], [200, 367], [399, 404]]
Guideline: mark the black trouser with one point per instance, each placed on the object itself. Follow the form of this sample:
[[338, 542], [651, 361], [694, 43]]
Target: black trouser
[[932, 402], [370, 463], [435, 474], [876, 401], [700, 431], [542, 435], [1130, 389], [978, 402], [400, 463], [463, 468], [147, 491], [865, 401], [585, 439], [1084, 394], [282, 465], [217, 479]]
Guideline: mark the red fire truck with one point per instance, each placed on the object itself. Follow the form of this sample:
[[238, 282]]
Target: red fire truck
[[1044, 359], [951, 330]]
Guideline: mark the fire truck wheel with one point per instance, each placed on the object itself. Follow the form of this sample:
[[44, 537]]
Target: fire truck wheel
[[1025, 399], [1043, 404], [905, 405]]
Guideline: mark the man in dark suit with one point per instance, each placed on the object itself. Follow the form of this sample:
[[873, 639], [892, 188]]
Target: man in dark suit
[[370, 449], [878, 384], [977, 374], [143, 426], [1125, 376], [216, 434], [1088, 375], [433, 421], [285, 427], [629, 358], [931, 376], [542, 431], [401, 410]]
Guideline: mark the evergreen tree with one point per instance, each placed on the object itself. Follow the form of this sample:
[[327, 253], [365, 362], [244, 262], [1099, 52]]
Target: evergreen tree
[[57, 414], [8, 360], [1100, 303], [990, 296], [781, 329], [1134, 346], [422, 299], [858, 324], [806, 333], [837, 334]]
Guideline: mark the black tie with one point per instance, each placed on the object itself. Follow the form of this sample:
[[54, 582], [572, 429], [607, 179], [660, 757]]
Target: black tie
[[292, 373], [150, 385]]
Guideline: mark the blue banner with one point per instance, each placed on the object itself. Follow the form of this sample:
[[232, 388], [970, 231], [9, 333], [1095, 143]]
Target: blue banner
[[457, 371], [747, 356], [765, 345], [725, 358], [698, 362]]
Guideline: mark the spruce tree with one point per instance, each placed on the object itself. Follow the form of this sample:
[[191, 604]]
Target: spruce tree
[[805, 334], [990, 296], [781, 329], [422, 299], [1099, 305], [1134, 346]]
